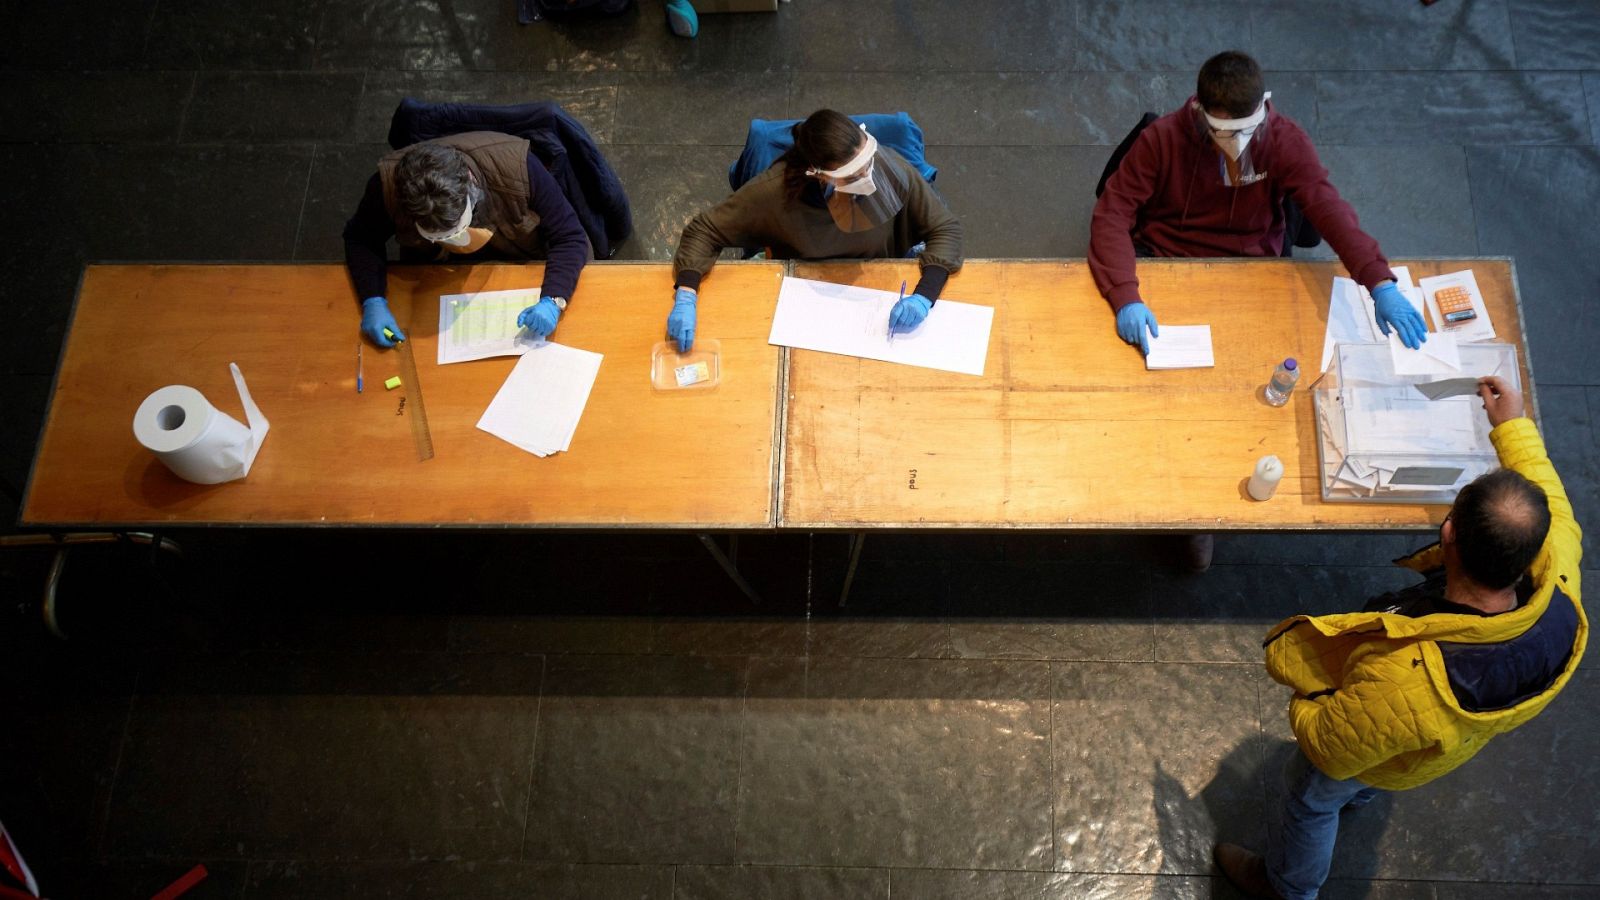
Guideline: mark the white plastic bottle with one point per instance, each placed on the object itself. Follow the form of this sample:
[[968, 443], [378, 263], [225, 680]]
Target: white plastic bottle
[[1282, 384]]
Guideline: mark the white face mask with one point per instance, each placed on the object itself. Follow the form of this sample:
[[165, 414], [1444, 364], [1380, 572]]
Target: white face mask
[[1233, 135], [855, 176], [457, 236]]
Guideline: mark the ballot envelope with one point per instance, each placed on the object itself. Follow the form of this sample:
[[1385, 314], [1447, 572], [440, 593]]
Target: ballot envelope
[[1388, 438]]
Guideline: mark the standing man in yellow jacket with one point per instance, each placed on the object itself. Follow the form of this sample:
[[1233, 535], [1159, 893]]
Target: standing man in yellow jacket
[[1396, 695]]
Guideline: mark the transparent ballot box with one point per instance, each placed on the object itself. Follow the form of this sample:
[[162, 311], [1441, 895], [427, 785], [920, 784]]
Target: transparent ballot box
[[1383, 438]]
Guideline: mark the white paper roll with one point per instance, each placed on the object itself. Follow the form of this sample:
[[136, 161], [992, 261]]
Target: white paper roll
[[197, 441], [1264, 480]]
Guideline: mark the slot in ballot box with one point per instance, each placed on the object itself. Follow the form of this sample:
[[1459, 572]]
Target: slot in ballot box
[[1388, 438]]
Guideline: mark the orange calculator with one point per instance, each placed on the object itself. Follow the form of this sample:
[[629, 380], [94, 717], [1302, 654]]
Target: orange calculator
[[1455, 304]]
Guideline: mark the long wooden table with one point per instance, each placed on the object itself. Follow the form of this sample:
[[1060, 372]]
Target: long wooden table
[[1066, 429], [640, 458]]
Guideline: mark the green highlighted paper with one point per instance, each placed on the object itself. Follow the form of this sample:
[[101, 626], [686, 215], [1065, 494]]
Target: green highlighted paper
[[478, 326]]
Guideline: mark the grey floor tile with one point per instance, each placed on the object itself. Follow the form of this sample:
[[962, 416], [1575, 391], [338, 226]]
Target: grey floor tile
[[1450, 890], [897, 762], [893, 610], [1414, 200], [96, 106], [272, 107], [223, 878], [696, 108], [551, 634], [1574, 448], [1021, 35], [718, 636], [1138, 34], [1331, 549], [1556, 35], [666, 187], [1451, 107], [1364, 889], [1222, 615], [591, 99], [339, 174], [779, 883], [38, 296], [1591, 88], [1372, 34], [638, 41], [957, 884], [480, 35], [1152, 762], [1530, 204], [988, 187], [638, 760], [275, 34], [295, 880], [1037, 610], [54, 36], [332, 756]]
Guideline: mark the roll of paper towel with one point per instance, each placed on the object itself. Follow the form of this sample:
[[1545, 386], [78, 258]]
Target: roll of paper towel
[[197, 441]]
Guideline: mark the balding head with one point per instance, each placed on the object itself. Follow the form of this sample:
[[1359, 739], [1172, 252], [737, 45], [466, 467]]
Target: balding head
[[1500, 522]]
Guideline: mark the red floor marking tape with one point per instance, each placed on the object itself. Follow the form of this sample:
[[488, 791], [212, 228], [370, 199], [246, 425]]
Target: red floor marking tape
[[182, 885]]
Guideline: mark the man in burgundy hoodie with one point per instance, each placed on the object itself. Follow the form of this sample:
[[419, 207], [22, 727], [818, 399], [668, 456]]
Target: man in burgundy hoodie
[[1210, 179]]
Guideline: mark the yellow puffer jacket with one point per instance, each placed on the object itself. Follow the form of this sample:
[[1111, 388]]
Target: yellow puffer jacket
[[1372, 696]]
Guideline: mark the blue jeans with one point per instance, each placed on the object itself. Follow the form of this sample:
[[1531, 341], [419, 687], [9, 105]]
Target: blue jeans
[[1300, 850]]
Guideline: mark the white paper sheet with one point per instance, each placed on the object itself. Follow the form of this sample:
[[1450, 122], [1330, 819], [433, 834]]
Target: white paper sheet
[[1348, 321], [1479, 329], [854, 321], [1181, 347], [478, 326], [541, 401], [1438, 355]]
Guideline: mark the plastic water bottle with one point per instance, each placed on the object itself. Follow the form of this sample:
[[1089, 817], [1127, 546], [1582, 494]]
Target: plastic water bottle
[[1282, 383]]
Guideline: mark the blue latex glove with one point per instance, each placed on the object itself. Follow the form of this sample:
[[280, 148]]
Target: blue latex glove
[[1393, 310], [375, 317], [1132, 320], [680, 325], [909, 312], [540, 318]]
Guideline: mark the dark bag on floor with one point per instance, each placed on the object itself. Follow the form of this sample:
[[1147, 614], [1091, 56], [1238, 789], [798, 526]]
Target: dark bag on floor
[[563, 10]]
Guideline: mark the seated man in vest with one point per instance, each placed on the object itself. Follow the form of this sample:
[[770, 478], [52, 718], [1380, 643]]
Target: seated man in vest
[[1210, 179], [465, 197], [1397, 695]]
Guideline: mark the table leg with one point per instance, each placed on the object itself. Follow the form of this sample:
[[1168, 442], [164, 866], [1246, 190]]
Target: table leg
[[729, 566], [857, 540]]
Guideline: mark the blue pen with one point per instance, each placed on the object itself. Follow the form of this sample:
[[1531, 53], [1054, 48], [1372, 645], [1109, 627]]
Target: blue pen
[[896, 303], [358, 367]]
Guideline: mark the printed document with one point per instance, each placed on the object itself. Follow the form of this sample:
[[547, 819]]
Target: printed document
[[1181, 347], [538, 406], [1459, 289], [854, 321], [478, 326]]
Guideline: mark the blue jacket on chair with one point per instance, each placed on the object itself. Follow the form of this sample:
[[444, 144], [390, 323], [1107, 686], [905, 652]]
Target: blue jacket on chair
[[560, 142], [771, 138]]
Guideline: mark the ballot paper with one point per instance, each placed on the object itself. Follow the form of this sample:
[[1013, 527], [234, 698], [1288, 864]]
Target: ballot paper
[[1438, 355], [478, 326], [538, 406], [1180, 347], [854, 321], [1448, 387], [1478, 328], [1351, 319]]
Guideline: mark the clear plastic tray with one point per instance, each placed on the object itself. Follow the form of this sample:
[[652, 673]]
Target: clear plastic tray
[[698, 370]]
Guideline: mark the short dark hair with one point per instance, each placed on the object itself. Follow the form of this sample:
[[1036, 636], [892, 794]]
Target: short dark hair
[[1501, 520], [827, 139], [1230, 81], [432, 184]]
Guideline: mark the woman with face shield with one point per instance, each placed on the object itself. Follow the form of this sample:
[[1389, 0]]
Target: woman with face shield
[[836, 194], [466, 197]]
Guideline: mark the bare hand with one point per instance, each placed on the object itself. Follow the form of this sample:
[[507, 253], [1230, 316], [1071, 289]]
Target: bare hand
[[1500, 400]]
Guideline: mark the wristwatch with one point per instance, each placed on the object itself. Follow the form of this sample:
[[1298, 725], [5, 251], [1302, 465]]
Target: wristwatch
[[560, 302]]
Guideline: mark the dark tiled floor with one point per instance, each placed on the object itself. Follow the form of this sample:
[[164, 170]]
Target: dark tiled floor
[[574, 716]]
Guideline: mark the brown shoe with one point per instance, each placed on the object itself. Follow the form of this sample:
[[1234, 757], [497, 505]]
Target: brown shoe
[[1246, 869], [1197, 550]]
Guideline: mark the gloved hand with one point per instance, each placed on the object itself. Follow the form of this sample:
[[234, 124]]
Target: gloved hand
[[375, 317], [909, 312], [680, 325], [1132, 320], [540, 318], [1393, 309]]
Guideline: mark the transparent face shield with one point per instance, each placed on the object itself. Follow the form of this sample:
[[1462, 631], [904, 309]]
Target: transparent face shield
[[1232, 136], [865, 195], [454, 236]]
